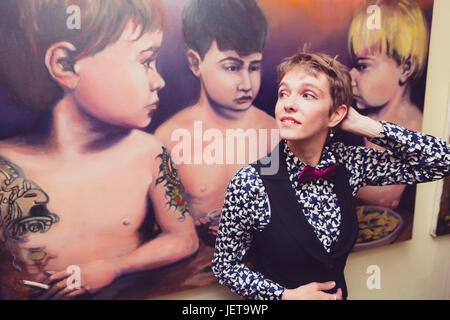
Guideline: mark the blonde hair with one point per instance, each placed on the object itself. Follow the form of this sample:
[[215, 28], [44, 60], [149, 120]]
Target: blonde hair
[[403, 32]]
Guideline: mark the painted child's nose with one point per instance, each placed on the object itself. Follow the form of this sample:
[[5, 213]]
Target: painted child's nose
[[245, 83], [157, 82], [354, 75]]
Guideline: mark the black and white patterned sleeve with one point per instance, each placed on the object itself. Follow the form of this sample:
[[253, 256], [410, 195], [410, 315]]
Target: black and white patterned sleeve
[[410, 157], [242, 213]]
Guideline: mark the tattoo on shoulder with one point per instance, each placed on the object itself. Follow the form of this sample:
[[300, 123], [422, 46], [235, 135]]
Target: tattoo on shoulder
[[168, 175], [23, 204]]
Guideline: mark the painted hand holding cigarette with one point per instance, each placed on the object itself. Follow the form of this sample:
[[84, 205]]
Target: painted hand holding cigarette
[[66, 284]]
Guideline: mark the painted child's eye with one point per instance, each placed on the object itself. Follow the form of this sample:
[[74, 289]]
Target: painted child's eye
[[148, 64], [231, 67], [255, 68], [361, 67]]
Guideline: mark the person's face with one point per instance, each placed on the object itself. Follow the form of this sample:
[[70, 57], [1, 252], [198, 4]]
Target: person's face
[[375, 80], [302, 111], [120, 84], [230, 80]]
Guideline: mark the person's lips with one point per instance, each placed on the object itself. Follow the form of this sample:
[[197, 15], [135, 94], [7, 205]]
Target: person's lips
[[244, 100], [289, 121], [152, 108]]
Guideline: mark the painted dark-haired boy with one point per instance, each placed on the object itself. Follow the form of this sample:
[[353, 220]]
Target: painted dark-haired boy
[[224, 48]]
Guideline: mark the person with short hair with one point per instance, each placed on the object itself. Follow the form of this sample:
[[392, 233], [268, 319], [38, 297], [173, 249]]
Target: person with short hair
[[76, 189], [299, 225], [388, 63]]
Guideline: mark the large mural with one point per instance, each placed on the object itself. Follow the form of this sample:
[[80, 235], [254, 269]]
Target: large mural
[[122, 122]]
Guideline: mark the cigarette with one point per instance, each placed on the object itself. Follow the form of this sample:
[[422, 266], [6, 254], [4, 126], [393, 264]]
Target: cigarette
[[35, 284]]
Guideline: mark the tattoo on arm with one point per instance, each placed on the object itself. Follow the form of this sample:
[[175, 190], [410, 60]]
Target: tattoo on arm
[[168, 175], [23, 204]]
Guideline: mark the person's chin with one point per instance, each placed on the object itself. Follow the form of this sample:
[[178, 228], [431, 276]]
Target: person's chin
[[240, 107], [140, 123], [363, 105], [145, 122], [290, 135]]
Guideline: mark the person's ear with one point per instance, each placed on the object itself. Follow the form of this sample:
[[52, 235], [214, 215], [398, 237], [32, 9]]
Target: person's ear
[[194, 61], [60, 64], [338, 115], [407, 66]]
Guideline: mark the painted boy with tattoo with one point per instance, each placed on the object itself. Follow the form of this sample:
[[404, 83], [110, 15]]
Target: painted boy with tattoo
[[75, 188]]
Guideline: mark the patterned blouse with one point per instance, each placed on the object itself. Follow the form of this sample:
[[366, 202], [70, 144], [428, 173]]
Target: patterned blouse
[[410, 157]]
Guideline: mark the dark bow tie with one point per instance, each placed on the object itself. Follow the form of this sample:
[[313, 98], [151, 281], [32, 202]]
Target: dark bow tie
[[309, 173]]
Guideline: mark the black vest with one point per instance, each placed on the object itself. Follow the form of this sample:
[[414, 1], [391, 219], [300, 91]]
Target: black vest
[[288, 251]]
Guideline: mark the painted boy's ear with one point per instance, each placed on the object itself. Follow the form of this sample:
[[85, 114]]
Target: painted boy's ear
[[408, 66], [60, 64], [194, 61]]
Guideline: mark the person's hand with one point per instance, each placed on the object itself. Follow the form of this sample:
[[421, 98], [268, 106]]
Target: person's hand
[[313, 291], [356, 123], [351, 120], [94, 276]]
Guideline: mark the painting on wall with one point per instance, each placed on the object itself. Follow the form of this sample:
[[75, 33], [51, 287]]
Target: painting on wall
[[115, 118], [441, 216]]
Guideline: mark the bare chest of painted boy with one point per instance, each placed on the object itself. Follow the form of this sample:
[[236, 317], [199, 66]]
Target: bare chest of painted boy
[[73, 210]]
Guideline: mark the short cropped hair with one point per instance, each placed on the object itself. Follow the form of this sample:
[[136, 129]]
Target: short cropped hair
[[339, 79], [237, 25], [28, 28], [403, 32]]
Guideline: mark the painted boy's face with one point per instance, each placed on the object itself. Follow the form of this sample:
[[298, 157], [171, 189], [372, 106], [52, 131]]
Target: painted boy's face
[[375, 80], [231, 81], [302, 111], [120, 84]]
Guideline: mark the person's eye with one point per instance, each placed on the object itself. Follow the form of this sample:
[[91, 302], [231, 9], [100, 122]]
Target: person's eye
[[149, 63], [309, 96], [231, 67], [255, 68], [361, 67], [282, 94]]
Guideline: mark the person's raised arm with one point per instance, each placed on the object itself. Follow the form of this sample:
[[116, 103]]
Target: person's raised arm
[[410, 157]]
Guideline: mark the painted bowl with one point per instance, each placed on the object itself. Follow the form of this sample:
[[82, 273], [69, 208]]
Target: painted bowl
[[378, 226]]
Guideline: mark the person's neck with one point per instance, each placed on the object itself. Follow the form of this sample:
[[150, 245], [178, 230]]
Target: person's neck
[[75, 132], [308, 151], [397, 105], [221, 117]]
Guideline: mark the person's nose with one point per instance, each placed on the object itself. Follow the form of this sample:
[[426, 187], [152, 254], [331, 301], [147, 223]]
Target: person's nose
[[245, 83], [354, 75], [156, 82], [290, 105]]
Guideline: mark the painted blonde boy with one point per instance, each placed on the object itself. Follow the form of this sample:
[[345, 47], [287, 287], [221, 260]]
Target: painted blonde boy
[[389, 58]]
